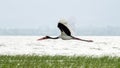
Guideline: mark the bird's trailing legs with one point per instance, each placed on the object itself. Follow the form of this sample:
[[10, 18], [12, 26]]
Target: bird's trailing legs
[[81, 39]]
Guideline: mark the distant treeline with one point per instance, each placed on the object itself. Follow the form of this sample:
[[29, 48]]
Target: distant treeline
[[94, 31]]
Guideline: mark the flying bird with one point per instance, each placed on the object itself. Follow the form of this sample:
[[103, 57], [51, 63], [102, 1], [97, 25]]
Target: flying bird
[[66, 33]]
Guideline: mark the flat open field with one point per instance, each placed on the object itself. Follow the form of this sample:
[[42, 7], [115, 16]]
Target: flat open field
[[58, 62]]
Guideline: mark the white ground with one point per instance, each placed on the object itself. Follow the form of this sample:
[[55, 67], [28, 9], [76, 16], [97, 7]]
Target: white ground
[[28, 45]]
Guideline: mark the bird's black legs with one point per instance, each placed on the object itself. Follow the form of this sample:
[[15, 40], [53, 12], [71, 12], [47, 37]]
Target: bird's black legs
[[82, 39]]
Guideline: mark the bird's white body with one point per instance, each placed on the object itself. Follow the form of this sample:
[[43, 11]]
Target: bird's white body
[[63, 35]]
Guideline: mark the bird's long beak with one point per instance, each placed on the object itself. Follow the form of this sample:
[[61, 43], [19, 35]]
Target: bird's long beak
[[42, 38]]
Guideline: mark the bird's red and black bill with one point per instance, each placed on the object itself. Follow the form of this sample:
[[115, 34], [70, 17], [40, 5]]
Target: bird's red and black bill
[[43, 38]]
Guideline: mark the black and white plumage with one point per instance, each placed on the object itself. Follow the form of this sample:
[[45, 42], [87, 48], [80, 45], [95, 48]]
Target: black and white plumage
[[65, 30], [66, 33]]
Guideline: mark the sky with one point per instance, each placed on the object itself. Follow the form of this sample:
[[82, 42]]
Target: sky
[[47, 13]]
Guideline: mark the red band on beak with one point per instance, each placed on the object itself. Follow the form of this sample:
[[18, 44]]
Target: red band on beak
[[42, 38]]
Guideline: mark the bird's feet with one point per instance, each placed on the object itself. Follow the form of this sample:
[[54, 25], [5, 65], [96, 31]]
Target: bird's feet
[[89, 40]]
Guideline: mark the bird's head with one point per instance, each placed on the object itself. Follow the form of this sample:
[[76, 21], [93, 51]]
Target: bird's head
[[43, 38]]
